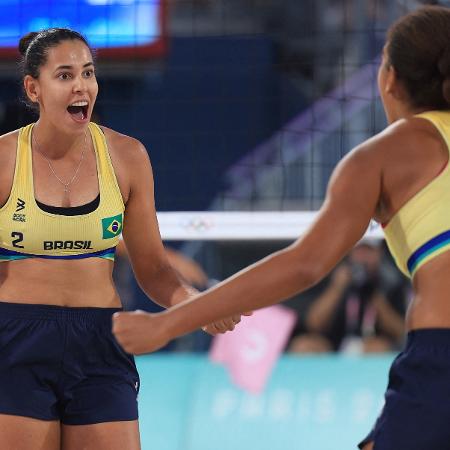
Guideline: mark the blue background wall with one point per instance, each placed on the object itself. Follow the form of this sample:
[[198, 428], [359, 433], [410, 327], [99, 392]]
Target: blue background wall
[[213, 101]]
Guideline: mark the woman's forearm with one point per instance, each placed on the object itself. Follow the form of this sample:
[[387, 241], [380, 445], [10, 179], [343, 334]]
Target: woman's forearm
[[165, 288], [265, 283]]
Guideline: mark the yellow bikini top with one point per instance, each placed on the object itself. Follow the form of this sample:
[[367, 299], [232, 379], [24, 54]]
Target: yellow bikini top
[[28, 231], [420, 230]]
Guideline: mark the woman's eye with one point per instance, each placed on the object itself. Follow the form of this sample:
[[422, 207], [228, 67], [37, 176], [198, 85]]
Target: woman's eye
[[64, 76], [89, 73]]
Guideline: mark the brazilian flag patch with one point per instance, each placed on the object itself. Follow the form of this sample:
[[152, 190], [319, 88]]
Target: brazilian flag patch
[[112, 226]]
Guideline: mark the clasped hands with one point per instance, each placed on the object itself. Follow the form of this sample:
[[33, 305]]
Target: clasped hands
[[141, 332]]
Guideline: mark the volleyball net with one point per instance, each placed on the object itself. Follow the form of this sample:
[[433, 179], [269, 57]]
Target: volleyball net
[[275, 189], [325, 101]]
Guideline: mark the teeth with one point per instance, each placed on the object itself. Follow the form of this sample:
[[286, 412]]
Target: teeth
[[80, 103]]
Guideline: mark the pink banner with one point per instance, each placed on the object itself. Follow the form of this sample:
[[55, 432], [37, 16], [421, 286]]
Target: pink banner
[[252, 349]]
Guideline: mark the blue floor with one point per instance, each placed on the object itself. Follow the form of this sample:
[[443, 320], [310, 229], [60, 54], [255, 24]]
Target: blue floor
[[310, 403]]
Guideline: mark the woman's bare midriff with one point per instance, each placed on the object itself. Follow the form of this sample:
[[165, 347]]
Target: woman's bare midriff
[[430, 307], [83, 282]]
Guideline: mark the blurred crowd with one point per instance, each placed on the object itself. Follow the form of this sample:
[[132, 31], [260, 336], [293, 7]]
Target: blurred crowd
[[359, 308]]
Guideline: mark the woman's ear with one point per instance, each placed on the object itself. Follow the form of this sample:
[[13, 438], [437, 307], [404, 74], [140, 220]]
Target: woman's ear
[[31, 86], [393, 85]]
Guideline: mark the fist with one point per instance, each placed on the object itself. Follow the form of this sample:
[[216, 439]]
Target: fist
[[139, 332]]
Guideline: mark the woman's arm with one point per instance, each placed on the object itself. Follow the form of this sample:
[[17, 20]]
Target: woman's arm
[[147, 255], [351, 201], [141, 234]]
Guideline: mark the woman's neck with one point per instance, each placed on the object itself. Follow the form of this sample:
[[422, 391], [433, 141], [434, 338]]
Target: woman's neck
[[53, 142], [402, 110]]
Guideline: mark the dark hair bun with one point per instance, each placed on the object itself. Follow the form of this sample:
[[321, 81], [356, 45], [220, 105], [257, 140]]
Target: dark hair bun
[[25, 42]]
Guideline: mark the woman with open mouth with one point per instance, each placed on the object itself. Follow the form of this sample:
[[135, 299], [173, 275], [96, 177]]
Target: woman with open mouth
[[68, 190]]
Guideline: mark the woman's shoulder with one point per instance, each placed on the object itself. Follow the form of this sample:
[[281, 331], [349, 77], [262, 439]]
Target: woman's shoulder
[[9, 138], [122, 145], [399, 149], [129, 156], [8, 145], [402, 136], [411, 130]]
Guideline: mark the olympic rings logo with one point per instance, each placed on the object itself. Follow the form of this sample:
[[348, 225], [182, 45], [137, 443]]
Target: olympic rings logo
[[198, 224]]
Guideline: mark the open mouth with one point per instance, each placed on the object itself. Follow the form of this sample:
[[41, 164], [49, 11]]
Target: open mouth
[[78, 110]]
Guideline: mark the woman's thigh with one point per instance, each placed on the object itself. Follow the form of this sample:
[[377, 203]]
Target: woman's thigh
[[101, 436], [25, 433], [368, 446]]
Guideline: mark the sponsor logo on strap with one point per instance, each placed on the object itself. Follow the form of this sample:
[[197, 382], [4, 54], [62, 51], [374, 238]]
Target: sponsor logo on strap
[[20, 204]]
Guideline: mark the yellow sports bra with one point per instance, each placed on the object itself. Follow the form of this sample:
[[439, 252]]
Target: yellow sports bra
[[27, 231], [420, 230]]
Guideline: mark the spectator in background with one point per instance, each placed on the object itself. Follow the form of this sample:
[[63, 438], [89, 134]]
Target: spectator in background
[[360, 309], [189, 270]]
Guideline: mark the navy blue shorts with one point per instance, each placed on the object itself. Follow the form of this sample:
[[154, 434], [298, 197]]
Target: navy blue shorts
[[416, 414], [64, 364]]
